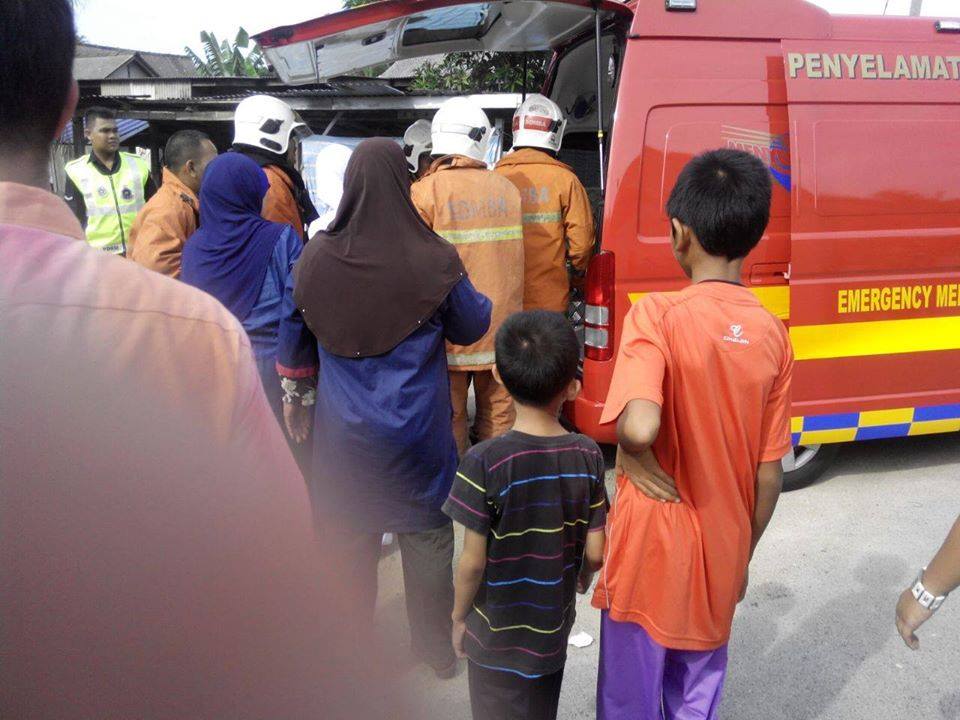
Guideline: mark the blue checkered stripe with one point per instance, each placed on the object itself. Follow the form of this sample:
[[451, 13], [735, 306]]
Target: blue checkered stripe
[[875, 424]]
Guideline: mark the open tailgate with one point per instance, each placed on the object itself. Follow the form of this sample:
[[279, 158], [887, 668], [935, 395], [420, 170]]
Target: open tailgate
[[346, 42]]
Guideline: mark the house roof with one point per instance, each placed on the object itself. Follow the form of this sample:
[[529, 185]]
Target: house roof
[[98, 68], [164, 65]]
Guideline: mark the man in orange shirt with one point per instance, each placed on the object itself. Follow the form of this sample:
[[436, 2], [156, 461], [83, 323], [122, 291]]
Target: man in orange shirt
[[267, 130], [702, 392], [557, 219], [480, 213], [171, 216]]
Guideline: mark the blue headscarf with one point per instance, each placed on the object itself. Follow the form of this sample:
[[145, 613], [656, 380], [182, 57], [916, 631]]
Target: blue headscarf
[[229, 255]]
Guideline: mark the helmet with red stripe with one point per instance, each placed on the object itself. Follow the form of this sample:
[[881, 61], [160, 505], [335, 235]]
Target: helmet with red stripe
[[539, 123]]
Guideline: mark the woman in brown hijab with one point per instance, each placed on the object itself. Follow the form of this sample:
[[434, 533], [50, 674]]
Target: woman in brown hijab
[[383, 293]]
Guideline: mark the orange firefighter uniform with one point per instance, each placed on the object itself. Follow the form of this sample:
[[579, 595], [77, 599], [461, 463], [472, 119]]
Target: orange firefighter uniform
[[163, 225], [557, 226], [280, 203], [480, 213]]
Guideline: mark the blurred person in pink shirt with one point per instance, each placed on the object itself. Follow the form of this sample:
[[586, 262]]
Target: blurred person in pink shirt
[[156, 549]]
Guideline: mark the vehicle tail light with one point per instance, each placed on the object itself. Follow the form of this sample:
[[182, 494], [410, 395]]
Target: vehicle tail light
[[600, 307]]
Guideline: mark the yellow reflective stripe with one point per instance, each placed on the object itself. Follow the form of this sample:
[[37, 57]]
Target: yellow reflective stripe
[[900, 416], [542, 217], [820, 437], [881, 337], [930, 427], [459, 237], [485, 358], [775, 298], [796, 424]]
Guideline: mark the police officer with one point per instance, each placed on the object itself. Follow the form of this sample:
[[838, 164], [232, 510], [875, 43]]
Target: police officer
[[107, 188]]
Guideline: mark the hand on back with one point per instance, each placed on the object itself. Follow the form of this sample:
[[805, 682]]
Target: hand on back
[[647, 476]]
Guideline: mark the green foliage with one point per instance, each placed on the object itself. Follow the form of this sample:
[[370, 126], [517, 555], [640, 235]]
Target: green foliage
[[484, 72], [237, 59]]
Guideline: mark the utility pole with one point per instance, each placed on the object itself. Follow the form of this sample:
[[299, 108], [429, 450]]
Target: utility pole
[[915, 7]]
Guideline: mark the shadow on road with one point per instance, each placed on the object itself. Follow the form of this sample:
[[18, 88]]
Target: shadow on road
[[883, 456], [800, 675]]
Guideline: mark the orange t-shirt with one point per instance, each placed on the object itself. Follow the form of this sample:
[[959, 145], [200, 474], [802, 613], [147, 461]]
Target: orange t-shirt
[[720, 366]]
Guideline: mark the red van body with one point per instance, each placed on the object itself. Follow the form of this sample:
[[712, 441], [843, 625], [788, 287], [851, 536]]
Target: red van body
[[858, 119]]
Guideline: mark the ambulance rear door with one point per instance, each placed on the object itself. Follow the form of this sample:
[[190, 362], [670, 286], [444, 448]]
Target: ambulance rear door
[[347, 42], [875, 259]]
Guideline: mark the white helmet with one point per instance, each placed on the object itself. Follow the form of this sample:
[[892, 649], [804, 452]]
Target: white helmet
[[417, 140], [538, 123], [267, 122], [461, 127]]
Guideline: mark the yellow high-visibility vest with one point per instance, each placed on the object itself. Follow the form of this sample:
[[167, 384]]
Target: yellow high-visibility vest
[[112, 201]]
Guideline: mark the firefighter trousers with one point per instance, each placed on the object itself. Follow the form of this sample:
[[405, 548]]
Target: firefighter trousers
[[495, 413]]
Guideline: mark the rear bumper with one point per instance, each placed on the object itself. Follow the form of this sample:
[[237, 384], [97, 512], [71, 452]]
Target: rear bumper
[[585, 416]]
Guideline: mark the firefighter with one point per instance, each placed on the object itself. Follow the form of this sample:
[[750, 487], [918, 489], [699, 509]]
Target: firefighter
[[267, 130], [172, 215], [107, 188], [417, 146], [479, 212], [558, 230]]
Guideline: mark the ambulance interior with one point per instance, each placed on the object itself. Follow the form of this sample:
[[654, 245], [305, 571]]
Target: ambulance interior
[[574, 89]]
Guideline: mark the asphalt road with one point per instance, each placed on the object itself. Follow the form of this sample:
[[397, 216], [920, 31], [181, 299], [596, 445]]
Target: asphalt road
[[815, 636]]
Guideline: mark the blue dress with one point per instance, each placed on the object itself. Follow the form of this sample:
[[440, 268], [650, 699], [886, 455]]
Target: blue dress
[[384, 453]]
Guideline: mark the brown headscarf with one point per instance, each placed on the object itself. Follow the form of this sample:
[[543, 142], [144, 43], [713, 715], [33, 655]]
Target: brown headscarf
[[378, 273]]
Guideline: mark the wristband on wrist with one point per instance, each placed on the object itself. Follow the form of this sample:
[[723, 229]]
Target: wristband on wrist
[[927, 600]]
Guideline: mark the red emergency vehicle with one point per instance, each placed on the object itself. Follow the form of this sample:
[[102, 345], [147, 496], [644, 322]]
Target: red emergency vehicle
[[858, 119]]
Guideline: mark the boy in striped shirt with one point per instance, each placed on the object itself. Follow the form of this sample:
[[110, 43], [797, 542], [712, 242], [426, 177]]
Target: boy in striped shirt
[[533, 505]]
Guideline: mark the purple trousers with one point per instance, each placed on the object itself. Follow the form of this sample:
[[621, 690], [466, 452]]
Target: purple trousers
[[642, 680]]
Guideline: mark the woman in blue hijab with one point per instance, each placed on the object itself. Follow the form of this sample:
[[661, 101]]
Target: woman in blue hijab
[[246, 263]]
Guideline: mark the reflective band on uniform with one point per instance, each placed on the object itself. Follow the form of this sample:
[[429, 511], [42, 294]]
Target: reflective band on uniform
[[484, 358], [109, 214], [461, 237], [553, 217], [99, 211]]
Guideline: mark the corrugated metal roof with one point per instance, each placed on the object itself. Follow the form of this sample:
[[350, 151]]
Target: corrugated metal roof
[[128, 128], [337, 88]]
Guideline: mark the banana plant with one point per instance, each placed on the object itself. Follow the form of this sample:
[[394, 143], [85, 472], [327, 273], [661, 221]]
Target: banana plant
[[225, 59]]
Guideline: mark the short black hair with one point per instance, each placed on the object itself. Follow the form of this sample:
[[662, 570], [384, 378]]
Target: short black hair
[[98, 113], [37, 45], [724, 196], [537, 356], [183, 145]]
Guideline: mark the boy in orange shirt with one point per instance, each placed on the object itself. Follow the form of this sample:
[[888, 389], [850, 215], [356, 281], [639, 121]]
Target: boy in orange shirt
[[701, 393]]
